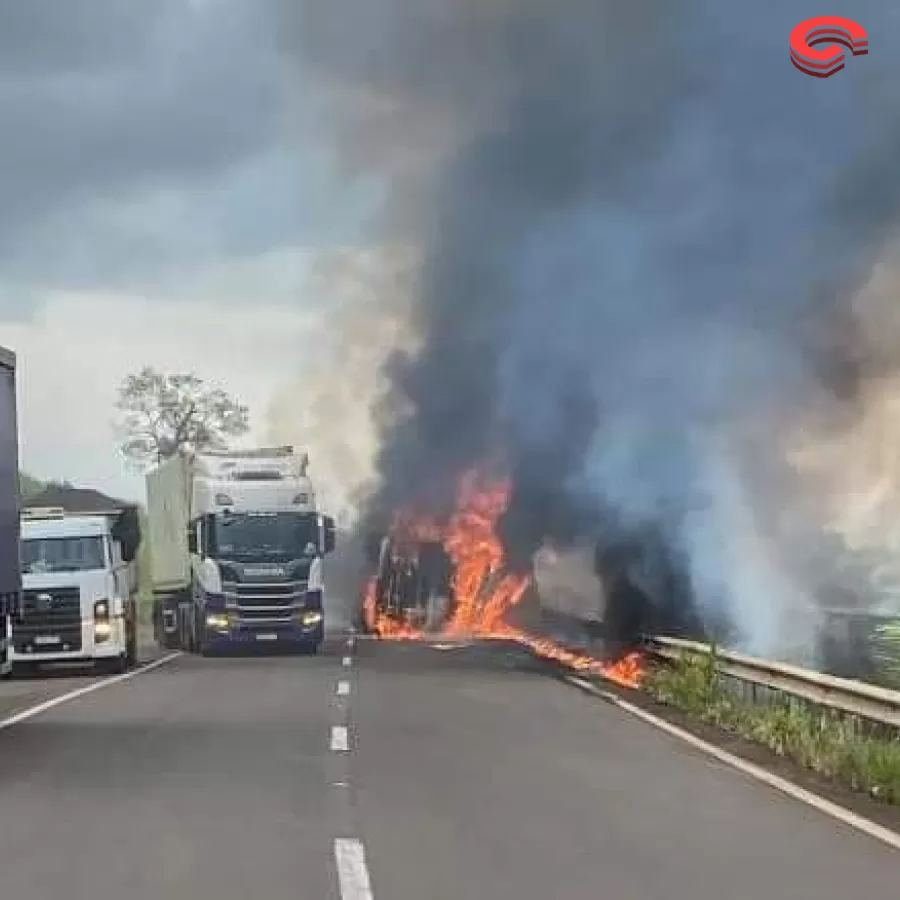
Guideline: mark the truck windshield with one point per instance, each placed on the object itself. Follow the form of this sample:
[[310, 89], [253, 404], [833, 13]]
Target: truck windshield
[[69, 554], [284, 535]]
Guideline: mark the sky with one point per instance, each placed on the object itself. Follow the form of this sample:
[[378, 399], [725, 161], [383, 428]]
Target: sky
[[169, 200]]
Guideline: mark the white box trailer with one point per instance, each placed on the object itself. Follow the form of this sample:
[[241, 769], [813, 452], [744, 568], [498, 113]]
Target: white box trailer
[[168, 515], [10, 564], [238, 549]]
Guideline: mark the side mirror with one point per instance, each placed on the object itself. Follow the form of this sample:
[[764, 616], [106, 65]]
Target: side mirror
[[126, 531], [328, 534], [192, 539]]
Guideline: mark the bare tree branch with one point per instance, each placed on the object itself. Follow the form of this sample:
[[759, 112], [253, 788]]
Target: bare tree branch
[[162, 414]]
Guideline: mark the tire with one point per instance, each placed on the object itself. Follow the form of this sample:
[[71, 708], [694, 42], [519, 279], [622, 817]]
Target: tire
[[116, 665], [188, 643], [131, 650]]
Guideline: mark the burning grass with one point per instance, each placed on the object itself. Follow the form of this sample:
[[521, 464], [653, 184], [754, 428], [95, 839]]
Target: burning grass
[[838, 747], [485, 591]]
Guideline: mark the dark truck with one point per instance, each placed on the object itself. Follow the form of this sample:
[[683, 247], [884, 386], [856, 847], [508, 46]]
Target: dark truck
[[10, 567]]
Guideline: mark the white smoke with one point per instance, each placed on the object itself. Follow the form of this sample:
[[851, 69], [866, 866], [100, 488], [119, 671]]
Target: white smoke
[[364, 298]]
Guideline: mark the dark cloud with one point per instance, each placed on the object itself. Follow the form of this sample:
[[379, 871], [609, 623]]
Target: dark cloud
[[193, 96], [628, 214], [141, 139], [45, 37]]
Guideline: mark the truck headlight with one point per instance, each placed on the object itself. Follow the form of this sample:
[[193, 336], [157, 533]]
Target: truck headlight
[[311, 618], [102, 631], [218, 621], [101, 610]]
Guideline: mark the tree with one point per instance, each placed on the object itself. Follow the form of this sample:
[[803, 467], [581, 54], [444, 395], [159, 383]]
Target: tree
[[29, 486], [162, 414]]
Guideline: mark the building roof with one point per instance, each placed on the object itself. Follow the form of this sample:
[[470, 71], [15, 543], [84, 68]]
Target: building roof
[[76, 500]]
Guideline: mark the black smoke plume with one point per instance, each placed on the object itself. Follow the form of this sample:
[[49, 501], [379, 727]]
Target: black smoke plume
[[633, 218]]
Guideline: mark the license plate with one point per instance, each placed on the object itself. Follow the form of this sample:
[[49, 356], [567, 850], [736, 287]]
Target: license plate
[[45, 639], [267, 637]]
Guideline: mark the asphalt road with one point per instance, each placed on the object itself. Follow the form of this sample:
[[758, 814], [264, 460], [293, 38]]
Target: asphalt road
[[414, 772]]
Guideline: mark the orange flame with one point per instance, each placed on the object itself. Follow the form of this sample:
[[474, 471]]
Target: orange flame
[[484, 594]]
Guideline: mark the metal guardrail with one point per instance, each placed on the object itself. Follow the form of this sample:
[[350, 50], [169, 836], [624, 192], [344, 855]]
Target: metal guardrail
[[855, 698]]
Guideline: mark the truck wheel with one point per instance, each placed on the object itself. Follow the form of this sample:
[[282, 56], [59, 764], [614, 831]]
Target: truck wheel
[[197, 636], [187, 634], [116, 665], [131, 652]]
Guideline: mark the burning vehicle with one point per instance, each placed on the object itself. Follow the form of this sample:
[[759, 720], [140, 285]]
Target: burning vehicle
[[452, 579], [413, 581]]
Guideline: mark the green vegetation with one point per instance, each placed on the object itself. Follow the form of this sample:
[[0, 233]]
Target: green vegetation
[[29, 487], [839, 747], [885, 649]]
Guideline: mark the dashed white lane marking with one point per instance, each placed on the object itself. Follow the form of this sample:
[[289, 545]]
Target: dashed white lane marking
[[350, 642], [780, 784], [88, 689], [340, 741], [347, 660], [343, 688], [353, 873]]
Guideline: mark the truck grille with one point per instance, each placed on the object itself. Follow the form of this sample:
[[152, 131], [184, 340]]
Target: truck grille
[[29, 639], [50, 609], [50, 621], [263, 604], [254, 593], [265, 616]]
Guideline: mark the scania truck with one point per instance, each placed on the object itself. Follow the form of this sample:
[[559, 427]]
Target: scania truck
[[80, 587], [238, 548], [10, 568]]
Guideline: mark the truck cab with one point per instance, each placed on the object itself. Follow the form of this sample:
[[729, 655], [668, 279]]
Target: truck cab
[[80, 590]]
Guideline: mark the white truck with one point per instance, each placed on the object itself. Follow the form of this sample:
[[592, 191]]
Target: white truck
[[80, 588], [10, 571], [238, 549]]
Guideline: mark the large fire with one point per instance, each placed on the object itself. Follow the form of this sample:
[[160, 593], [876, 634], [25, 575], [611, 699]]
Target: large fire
[[484, 593]]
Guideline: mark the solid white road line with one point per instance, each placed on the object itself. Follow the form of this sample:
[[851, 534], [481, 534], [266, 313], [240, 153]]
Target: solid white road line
[[88, 689], [347, 660], [353, 873], [866, 826], [343, 688], [339, 739]]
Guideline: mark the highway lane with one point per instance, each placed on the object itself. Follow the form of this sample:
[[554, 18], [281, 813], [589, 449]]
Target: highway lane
[[477, 780], [463, 773], [21, 693], [204, 778]]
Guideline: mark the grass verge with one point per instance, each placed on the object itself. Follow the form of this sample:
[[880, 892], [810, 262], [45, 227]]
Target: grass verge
[[838, 747]]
